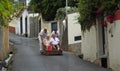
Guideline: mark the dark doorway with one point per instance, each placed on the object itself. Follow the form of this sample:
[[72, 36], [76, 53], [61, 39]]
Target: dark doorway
[[104, 60], [21, 26], [26, 35], [39, 25], [53, 26], [103, 38]]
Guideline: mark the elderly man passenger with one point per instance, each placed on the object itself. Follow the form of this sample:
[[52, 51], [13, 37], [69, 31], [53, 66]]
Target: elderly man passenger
[[55, 42]]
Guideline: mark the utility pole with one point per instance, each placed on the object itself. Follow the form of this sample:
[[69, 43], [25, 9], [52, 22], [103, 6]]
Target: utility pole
[[33, 18], [66, 29], [64, 43], [66, 7]]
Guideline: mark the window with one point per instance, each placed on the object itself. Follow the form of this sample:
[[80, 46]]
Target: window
[[76, 38], [53, 26]]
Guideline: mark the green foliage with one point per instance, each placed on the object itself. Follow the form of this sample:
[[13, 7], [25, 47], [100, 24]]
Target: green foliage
[[73, 3], [61, 12], [60, 15], [88, 8], [6, 9], [47, 8]]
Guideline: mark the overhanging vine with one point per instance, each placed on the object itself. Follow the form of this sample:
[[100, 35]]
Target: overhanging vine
[[90, 9]]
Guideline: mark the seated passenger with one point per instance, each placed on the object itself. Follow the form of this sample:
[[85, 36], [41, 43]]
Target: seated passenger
[[55, 42], [47, 43], [56, 32]]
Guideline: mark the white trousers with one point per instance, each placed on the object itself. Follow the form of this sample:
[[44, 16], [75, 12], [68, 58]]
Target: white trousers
[[40, 44]]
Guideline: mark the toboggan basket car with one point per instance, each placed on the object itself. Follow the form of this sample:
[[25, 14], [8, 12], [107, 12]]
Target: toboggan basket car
[[50, 51]]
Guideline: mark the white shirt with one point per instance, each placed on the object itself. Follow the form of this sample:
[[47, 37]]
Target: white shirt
[[43, 34], [54, 41], [57, 33]]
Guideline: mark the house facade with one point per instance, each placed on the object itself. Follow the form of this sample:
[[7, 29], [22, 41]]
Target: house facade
[[113, 44], [50, 25], [19, 24], [26, 24], [74, 33], [100, 45]]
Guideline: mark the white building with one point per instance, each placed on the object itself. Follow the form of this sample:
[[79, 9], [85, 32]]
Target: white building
[[25, 24], [50, 25], [74, 33], [27, 2], [101, 45]]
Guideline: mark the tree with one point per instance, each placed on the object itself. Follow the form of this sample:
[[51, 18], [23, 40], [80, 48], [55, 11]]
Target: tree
[[73, 3], [6, 10], [91, 9], [47, 8], [61, 12]]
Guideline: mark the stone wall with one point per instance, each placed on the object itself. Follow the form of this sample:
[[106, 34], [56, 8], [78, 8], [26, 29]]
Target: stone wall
[[34, 27], [4, 43], [76, 48], [1, 36]]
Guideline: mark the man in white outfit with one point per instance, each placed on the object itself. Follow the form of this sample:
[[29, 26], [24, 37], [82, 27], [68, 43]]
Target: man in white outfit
[[55, 42], [56, 32], [42, 35]]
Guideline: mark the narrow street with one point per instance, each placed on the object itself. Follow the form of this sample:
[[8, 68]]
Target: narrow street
[[28, 58]]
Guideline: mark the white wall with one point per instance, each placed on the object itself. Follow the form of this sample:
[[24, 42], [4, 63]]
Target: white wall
[[89, 45], [17, 27], [74, 28], [12, 23], [114, 45], [24, 15], [17, 22], [28, 1], [46, 24]]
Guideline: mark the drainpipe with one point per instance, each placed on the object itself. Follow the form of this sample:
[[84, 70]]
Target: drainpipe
[[97, 38]]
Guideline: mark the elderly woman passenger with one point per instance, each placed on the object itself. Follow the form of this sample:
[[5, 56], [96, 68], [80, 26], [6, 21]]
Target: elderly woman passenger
[[47, 43]]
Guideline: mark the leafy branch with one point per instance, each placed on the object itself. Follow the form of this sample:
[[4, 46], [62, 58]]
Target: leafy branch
[[90, 9], [6, 10], [61, 12]]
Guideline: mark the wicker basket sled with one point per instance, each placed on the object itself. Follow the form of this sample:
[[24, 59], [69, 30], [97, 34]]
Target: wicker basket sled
[[51, 51]]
